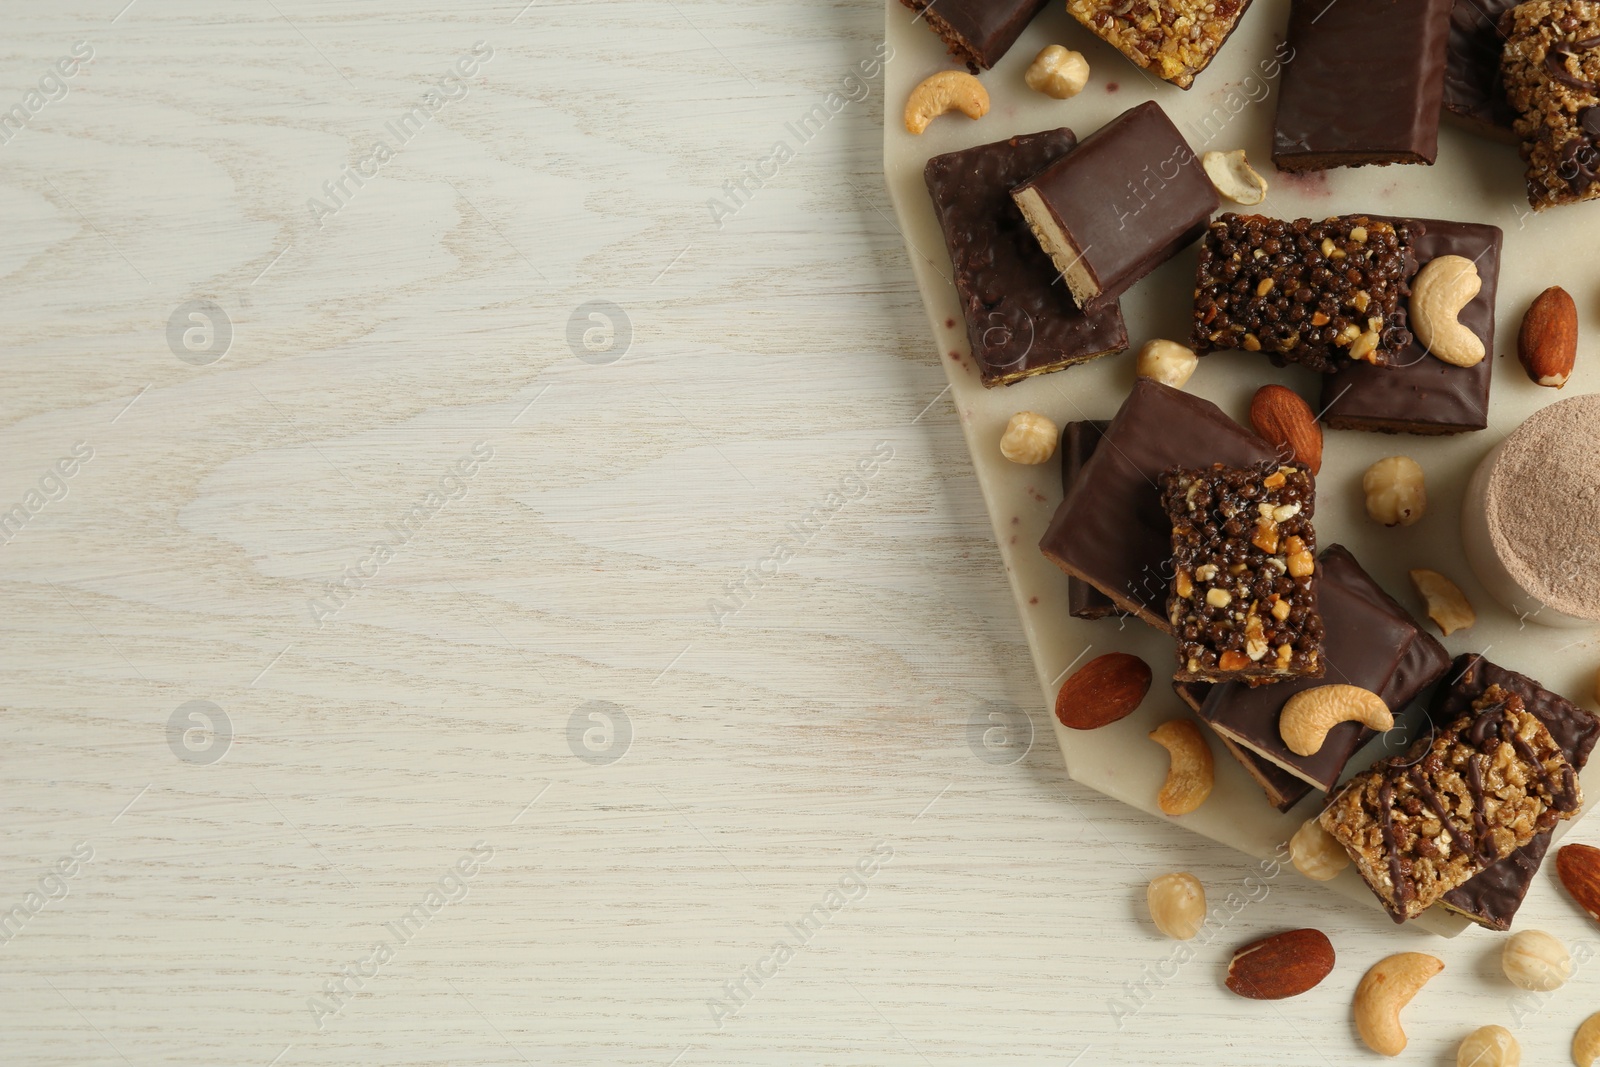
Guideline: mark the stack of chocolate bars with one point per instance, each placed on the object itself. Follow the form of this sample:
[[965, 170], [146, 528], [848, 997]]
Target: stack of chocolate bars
[[1045, 233], [1362, 81], [1224, 557], [1176, 515]]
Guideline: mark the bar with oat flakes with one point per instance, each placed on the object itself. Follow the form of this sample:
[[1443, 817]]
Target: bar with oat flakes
[[1462, 799]]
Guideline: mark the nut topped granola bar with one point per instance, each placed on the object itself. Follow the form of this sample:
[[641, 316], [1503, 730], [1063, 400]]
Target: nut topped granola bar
[[1315, 293], [1551, 69], [1173, 39], [1462, 799], [1243, 598]]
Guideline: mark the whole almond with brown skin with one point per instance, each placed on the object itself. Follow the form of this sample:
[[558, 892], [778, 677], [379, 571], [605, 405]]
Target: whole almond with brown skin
[[1547, 345], [1105, 689], [1579, 869], [1286, 422], [1280, 966]]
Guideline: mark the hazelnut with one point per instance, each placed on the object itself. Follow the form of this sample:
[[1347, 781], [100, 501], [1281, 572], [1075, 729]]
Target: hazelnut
[[1057, 72], [1029, 438], [1316, 853], [1489, 1046], [1167, 362], [1536, 961], [1177, 905], [1396, 495]]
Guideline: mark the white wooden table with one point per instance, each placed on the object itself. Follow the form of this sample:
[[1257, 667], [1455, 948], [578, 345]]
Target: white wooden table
[[477, 617]]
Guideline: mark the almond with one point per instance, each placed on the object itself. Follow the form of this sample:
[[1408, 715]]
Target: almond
[[1105, 689], [1286, 422], [1579, 869], [1280, 966], [1548, 342]]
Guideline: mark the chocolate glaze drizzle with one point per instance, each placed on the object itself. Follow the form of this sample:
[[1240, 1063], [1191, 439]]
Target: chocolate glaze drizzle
[[1490, 726], [1555, 62]]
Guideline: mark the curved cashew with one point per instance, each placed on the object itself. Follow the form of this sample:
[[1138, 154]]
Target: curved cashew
[[1311, 713], [1232, 175], [943, 91], [1191, 773], [1586, 1042], [1057, 72], [1442, 288], [1384, 990]]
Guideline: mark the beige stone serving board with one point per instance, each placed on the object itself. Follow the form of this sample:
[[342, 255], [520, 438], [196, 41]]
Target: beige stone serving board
[[1231, 106]]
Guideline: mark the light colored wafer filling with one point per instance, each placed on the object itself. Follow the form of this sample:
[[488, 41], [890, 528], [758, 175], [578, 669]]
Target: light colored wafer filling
[[1543, 502]]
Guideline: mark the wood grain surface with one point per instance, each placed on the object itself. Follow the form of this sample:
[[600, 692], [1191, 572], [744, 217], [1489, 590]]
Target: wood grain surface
[[473, 601]]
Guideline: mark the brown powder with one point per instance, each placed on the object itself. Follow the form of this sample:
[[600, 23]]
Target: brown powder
[[1543, 505]]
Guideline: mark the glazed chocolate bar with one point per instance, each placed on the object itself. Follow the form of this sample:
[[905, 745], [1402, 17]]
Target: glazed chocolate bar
[[1417, 393], [977, 32], [1365, 84], [1111, 531], [1473, 93], [1369, 640], [1492, 898], [1118, 207], [1551, 69], [1403, 821], [1019, 322], [1078, 441], [1316, 293], [1173, 39], [1243, 605], [1283, 789]]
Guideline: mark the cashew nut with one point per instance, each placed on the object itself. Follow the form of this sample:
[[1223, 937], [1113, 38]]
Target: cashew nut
[[1057, 72], [1384, 990], [1586, 1042], [1191, 773], [941, 92], [1233, 176], [1489, 1046], [1447, 604], [1167, 362], [1441, 289], [1311, 713]]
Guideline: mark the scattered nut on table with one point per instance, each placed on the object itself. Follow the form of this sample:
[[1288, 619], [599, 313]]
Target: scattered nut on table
[[1282, 965], [1536, 961], [1191, 774], [1547, 343], [1058, 72], [1586, 1042], [1309, 715], [1441, 289], [1029, 438], [1384, 990], [1448, 606], [1233, 176], [1283, 419], [940, 93], [1316, 853], [1396, 492], [1167, 362], [1177, 905], [1105, 690], [1489, 1046]]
